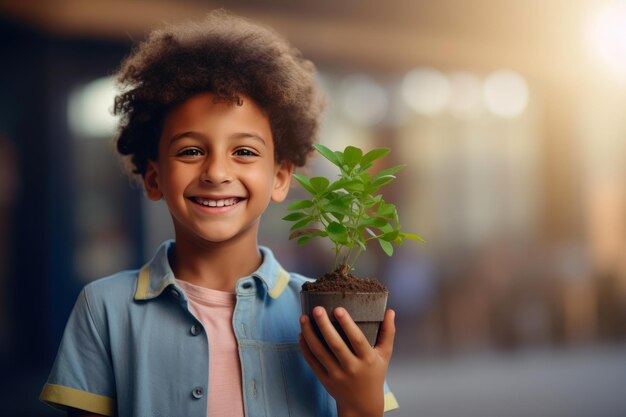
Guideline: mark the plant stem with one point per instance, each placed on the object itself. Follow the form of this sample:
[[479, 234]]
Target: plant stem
[[335, 262]]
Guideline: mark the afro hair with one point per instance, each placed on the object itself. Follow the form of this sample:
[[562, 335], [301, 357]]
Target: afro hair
[[228, 56]]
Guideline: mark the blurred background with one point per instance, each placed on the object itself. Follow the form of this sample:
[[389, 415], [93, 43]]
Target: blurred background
[[509, 115]]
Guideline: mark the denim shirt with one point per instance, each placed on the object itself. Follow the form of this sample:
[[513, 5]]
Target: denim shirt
[[132, 347]]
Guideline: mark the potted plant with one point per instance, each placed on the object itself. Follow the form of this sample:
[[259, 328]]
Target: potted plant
[[351, 214]]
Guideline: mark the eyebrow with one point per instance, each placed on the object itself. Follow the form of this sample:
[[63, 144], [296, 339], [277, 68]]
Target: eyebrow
[[200, 136]]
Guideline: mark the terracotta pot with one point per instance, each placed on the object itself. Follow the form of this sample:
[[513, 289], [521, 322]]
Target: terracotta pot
[[366, 309]]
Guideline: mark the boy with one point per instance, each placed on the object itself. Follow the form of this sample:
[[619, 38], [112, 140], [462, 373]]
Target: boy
[[215, 115]]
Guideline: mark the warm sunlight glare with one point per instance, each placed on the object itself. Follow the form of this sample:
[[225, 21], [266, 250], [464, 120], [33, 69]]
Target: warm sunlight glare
[[608, 37]]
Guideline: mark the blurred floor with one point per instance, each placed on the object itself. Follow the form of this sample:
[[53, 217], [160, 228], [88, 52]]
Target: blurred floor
[[583, 382]]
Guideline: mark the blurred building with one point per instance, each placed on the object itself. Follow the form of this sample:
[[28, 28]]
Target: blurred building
[[508, 116]]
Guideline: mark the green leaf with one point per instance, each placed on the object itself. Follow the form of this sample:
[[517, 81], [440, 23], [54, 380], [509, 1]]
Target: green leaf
[[373, 155], [337, 185], [305, 239], [301, 223], [363, 168], [306, 183], [295, 216], [376, 222], [319, 183], [354, 186], [391, 236], [338, 217], [371, 202], [337, 232], [338, 208], [328, 154], [412, 237], [300, 204], [352, 156], [387, 247], [389, 171], [386, 210], [380, 181], [339, 156]]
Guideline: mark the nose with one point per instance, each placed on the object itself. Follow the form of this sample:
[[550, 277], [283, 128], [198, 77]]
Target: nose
[[216, 170]]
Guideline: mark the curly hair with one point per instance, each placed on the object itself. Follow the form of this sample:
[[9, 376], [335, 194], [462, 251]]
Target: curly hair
[[227, 56]]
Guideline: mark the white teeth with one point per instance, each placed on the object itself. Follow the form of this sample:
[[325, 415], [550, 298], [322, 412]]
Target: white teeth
[[217, 203]]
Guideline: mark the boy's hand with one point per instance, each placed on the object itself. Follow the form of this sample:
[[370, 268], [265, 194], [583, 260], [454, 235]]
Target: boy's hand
[[354, 379]]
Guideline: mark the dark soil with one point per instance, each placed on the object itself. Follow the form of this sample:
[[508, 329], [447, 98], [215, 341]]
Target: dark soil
[[342, 281]]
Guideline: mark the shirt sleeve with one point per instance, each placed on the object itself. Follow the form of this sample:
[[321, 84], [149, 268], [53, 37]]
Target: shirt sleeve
[[82, 376], [390, 400]]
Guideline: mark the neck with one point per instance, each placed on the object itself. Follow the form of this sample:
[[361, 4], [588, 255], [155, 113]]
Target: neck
[[216, 266]]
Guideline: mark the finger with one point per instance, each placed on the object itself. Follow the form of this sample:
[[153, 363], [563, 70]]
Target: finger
[[315, 345], [310, 358], [334, 341], [356, 337], [387, 334]]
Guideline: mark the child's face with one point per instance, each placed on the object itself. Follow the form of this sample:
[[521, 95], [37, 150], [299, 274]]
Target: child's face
[[216, 169]]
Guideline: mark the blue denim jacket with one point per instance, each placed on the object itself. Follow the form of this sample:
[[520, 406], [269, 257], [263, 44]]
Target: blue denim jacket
[[132, 347]]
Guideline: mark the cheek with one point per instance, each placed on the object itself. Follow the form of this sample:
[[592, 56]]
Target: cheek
[[261, 180], [181, 172]]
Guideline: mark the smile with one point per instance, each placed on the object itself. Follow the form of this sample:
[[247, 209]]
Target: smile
[[225, 202]]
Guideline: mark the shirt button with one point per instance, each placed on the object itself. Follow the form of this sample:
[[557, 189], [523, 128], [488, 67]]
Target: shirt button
[[195, 329], [197, 392], [246, 285], [175, 293]]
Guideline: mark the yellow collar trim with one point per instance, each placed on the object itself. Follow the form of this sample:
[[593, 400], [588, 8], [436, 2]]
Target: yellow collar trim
[[390, 402], [281, 283], [143, 284]]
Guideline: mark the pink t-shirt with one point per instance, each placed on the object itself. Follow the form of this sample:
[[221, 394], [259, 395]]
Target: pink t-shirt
[[215, 310]]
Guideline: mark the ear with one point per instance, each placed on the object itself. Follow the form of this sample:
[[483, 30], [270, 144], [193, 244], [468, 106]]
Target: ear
[[151, 182], [282, 179]]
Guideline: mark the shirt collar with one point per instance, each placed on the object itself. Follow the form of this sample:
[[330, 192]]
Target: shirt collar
[[157, 275]]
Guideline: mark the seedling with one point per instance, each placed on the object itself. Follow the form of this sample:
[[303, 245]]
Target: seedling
[[348, 211]]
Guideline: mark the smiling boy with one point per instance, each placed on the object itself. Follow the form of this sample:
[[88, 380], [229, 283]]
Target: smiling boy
[[215, 115], [217, 174]]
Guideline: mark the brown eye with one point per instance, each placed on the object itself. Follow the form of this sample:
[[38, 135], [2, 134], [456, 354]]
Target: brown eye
[[245, 152], [189, 152]]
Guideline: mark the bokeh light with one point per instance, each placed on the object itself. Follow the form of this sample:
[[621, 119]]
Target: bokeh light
[[364, 101], [426, 91], [89, 110], [505, 93]]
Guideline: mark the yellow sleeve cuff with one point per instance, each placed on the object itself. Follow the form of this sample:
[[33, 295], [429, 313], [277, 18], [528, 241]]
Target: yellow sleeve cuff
[[62, 397], [390, 402]]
